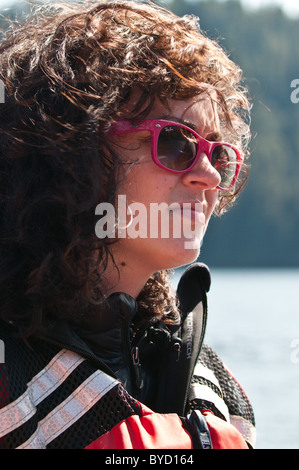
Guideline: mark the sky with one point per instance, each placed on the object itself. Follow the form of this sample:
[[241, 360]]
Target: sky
[[290, 7]]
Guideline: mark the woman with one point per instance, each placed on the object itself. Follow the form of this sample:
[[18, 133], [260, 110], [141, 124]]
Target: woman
[[114, 102]]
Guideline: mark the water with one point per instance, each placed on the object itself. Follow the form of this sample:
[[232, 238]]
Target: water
[[253, 324]]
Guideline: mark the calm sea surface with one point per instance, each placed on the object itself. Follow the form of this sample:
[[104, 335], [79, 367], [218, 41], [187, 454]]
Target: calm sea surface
[[253, 324]]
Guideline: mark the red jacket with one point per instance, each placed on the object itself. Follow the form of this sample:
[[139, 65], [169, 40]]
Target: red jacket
[[76, 389], [166, 431]]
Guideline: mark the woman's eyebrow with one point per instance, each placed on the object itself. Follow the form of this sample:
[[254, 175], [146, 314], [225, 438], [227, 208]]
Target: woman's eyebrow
[[214, 137], [186, 122]]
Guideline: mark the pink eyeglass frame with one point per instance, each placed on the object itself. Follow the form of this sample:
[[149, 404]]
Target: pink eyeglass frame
[[154, 126]]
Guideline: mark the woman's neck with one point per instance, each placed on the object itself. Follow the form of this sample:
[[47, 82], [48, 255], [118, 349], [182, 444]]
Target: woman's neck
[[127, 278]]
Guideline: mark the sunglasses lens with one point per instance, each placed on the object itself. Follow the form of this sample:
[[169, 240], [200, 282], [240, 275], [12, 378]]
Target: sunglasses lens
[[224, 159], [177, 148]]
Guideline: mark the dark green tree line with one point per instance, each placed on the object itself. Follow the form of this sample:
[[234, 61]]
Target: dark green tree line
[[263, 229]]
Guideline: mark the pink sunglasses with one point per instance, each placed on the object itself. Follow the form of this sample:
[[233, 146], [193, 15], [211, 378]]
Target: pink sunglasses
[[177, 148]]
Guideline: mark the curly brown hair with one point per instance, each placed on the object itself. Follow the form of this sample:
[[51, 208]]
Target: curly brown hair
[[69, 70]]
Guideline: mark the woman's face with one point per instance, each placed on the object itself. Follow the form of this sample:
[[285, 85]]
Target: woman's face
[[148, 185]]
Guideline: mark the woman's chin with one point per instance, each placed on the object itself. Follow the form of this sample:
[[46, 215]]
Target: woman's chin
[[180, 252]]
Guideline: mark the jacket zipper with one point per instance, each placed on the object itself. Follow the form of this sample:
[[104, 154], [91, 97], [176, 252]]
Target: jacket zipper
[[137, 368], [131, 356]]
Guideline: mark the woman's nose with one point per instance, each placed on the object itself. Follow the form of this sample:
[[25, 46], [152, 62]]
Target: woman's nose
[[202, 174]]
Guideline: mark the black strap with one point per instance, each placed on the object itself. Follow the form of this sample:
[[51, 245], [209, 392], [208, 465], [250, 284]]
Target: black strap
[[175, 370], [200, 431]]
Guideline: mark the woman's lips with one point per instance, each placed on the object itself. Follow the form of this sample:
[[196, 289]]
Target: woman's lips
[[193, 211]]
